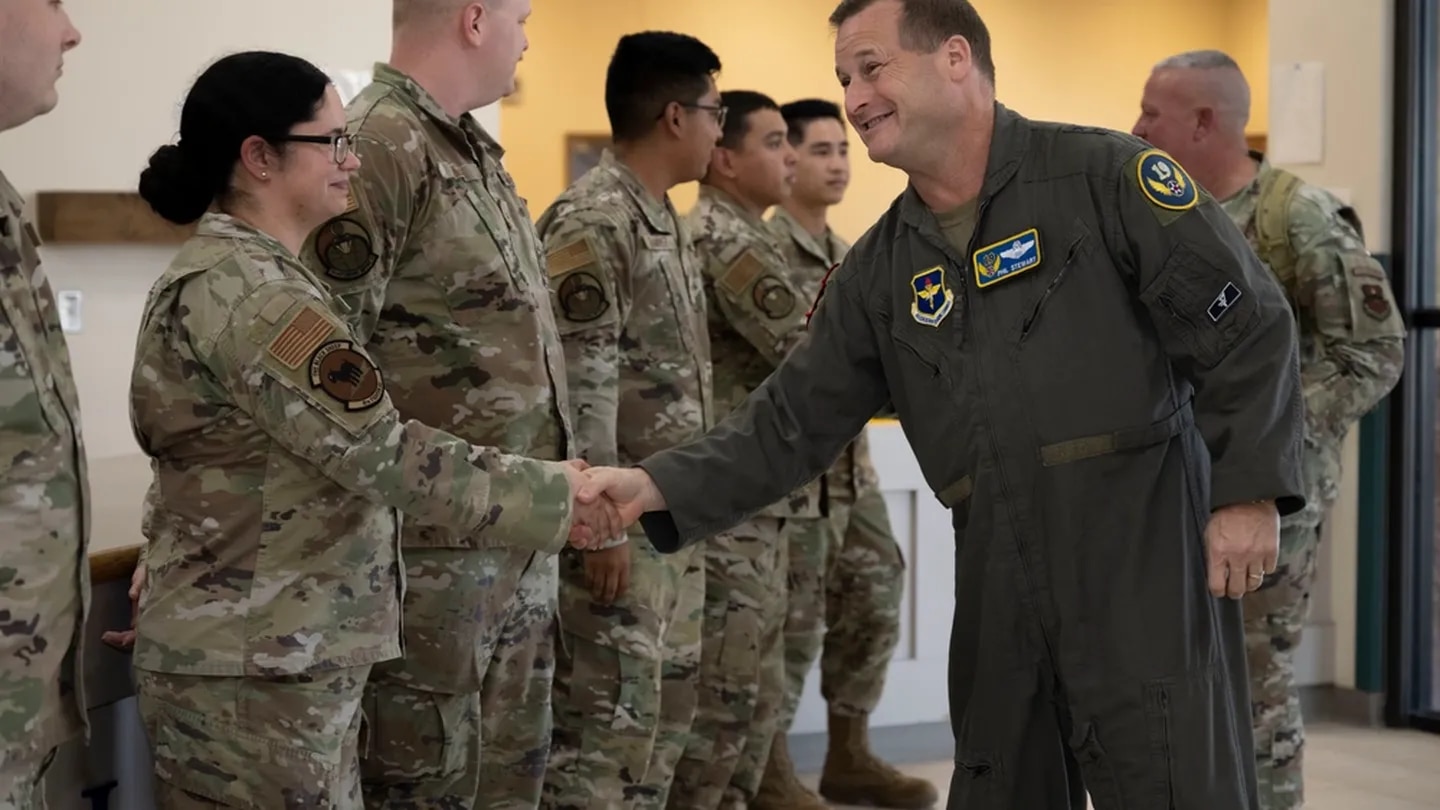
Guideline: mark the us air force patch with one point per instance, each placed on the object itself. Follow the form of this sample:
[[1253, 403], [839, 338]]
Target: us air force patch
[[1164, 183], [344, 248], [1008, 257], [933, 299], [346, 375]]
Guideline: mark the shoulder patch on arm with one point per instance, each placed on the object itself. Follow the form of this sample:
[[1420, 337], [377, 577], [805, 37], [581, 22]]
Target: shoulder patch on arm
[[301, 336], [344, 247], [1163, 184], [572, 255], [741, 273], [346, 375]]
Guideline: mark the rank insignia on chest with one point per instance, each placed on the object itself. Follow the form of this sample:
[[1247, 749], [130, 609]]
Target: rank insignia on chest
[[933, 299], [1164, 183], [1010, 256]]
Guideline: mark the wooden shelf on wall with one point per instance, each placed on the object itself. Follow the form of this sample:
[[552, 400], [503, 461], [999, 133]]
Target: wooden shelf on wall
[[103, 218], [1256, 141]]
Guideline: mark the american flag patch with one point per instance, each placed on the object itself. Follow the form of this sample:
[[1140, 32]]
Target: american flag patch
[[305, 332]]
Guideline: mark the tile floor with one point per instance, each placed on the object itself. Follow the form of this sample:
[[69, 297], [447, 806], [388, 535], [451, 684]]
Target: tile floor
[[1346, 769]]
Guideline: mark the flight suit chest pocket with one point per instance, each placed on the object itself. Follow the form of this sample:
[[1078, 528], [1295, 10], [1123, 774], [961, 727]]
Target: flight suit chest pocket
[[1047, 291]]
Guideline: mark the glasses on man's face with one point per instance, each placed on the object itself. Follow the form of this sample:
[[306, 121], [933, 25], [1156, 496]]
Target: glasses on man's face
[[714, 109], [340, 143]]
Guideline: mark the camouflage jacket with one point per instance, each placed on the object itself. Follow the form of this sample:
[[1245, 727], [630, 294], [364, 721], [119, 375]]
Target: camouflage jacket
[[809, 260], [630, 300], [280, 463], [755, 311], [44, 570], [1351, 333], [439, 267]]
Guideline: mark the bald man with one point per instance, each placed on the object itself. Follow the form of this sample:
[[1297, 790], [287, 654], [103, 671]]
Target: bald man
[[440, 268], [1195, 106]]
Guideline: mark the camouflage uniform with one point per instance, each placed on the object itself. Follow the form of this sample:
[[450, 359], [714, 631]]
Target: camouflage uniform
[[274, 565], [862, 589], [852, 605], [440, 268], [1351, 350], [755, 316], [629, 299], [44, 573]]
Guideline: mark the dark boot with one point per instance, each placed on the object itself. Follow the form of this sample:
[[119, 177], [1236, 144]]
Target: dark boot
[[854, 775]]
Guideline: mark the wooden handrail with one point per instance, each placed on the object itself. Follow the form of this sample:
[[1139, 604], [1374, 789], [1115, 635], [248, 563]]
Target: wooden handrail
[[113, 564]]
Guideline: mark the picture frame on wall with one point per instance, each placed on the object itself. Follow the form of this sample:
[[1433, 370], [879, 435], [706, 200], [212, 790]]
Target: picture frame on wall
[[582, 153]]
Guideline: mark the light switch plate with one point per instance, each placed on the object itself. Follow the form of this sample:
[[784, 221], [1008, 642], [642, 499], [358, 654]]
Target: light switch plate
[[69, 303]]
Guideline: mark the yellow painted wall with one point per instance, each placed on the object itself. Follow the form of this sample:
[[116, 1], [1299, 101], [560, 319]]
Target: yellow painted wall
[[1052, 62]]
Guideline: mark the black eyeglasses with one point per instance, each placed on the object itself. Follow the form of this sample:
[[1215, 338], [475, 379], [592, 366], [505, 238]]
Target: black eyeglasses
[[717, 110], [340, 143]]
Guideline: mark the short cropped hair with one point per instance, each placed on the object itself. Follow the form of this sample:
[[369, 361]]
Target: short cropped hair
[[926, 24], [798, 114], [739, 104], [648, 71]]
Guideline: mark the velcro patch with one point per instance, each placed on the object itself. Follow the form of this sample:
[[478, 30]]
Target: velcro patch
[[1223, 302], [1164, 183], [346, 375], [741, 273], [659, 242], [305, 332], [571, 256]]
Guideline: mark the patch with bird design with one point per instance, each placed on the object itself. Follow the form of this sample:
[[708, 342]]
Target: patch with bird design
[[1164, 183]]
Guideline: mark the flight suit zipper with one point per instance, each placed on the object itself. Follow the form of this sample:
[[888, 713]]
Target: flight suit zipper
[[1054, 282]]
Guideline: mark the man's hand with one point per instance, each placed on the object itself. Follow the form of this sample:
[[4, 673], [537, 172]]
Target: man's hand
[[607, 573], [1242, 545], [631, 490], [125, 639], [595, 521]]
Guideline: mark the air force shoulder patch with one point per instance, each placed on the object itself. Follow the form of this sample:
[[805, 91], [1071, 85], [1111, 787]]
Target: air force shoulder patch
[[933, 298], [1164, 183], [1010, 256]]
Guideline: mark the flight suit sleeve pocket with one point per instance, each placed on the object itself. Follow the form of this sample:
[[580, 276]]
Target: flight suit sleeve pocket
[[1200, 310], [234, 768]]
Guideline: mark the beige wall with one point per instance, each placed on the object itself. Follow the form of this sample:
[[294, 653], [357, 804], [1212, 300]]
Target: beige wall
[[1354, 40]]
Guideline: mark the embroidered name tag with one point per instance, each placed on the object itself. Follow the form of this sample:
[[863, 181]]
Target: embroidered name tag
[[1009, 257]]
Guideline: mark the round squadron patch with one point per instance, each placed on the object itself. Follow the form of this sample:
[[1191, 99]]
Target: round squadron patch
[[346, 375], [581, 298], [1375, 303], [773, 298], [344, 248], [1164, 183]]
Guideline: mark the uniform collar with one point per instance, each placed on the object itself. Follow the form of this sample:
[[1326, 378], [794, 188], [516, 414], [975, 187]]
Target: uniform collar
[[1253, 187], [657, 212], [1009, 140], [223, 226], [723, 199], [465, 127], [802, 238]]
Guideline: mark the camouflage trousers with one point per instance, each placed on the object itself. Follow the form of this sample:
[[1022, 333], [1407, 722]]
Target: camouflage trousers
[[254, 743], [846, 581], [862, 609], [22, 779], [626, 677], [742, 668], [1274, 616], [464, 719]]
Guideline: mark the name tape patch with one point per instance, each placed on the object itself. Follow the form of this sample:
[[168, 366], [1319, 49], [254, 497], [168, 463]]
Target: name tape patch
[[1009, 257]]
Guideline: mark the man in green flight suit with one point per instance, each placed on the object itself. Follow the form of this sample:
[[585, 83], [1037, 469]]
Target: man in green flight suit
[[1352, 346], [1100, 380]]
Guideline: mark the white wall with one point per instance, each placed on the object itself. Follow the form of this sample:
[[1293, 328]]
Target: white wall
[[1354, 40], [120, 99]]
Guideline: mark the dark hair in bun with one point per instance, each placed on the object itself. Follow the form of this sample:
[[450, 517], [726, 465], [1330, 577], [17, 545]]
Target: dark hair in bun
[[252, 93]]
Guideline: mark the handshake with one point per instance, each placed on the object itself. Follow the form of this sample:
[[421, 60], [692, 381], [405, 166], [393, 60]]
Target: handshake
[[608, 501]]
